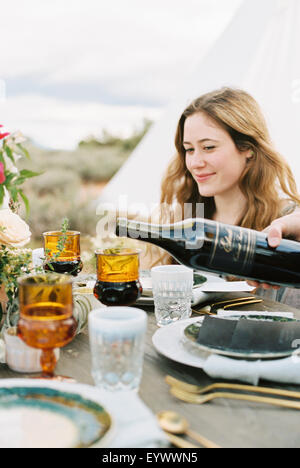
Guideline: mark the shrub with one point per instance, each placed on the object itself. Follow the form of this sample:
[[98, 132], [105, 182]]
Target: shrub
[[56, 193], [56, 182]]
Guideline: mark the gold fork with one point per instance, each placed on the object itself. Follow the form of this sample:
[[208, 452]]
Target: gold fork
[[201, 399], [196, 389]]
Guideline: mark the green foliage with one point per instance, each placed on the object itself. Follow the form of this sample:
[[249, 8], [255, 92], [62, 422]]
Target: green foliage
[[14, 263], [88, 164], [50, 256], [93, 161], [123, 144], [10, 152]]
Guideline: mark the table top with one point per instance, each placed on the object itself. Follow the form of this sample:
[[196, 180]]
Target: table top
[[229, 423]]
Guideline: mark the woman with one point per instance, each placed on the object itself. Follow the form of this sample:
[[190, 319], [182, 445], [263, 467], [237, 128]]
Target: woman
[[225, 159]]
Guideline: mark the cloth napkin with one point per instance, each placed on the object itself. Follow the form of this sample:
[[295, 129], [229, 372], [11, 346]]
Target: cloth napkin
[[212, 291], [286, 370], [135, 424], [226, 286]]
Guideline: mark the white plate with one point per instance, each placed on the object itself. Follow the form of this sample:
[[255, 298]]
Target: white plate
[[169, 342], [198, 295], [146, 281], [75, 407]]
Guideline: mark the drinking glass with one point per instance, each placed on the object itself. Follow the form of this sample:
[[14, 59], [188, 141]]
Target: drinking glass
[[117, 347], [62, 251], [46, 321], [172, 292], [117, 277]]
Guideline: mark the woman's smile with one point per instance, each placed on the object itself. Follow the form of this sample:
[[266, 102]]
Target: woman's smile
[[200, 178]]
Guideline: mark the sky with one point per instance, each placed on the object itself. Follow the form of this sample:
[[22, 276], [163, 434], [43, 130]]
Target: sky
[[70, 69]]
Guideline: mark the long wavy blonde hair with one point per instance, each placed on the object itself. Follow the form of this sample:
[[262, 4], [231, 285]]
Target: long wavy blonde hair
[[267, 179]]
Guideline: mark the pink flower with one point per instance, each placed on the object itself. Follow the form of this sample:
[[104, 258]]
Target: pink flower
[[3, 135], [2, 175]]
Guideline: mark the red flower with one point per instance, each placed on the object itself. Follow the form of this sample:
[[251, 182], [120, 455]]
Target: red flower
[[2, 175], [3, 135]]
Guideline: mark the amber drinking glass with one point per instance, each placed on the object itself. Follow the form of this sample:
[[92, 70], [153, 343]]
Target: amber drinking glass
[[117, 277], [46, 321], [62, 252]]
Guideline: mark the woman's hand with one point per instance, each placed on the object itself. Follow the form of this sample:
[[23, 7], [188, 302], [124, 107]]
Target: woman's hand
[[287, 226]]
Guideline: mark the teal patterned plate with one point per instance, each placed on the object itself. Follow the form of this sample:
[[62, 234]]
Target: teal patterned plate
[[46, 417]]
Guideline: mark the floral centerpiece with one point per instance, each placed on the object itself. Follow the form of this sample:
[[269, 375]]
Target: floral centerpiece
[[15, 260]]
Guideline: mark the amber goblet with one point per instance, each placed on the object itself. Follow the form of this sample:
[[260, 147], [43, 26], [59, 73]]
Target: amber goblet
[[117, 277], [46, 315], [62, 252]]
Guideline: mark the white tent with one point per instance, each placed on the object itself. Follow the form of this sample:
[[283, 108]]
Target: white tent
[[257, 52]]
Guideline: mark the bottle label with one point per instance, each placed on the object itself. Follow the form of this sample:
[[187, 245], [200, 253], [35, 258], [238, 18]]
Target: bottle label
[[233, 249]]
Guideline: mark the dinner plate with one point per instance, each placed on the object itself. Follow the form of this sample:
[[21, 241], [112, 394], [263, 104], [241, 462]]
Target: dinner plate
[[169, 342], [191, 333], [198, 295], [36, 414]]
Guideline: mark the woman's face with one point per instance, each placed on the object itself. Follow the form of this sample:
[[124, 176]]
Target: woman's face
[[212, 157]]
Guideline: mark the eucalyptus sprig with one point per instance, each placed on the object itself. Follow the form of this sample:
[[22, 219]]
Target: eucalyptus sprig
[[60, 246]]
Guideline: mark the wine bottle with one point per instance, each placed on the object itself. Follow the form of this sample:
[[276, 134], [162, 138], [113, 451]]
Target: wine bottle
[[207, 245]]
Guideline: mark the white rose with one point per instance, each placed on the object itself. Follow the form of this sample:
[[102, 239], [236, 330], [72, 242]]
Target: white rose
[[18, 137], [13, 230]]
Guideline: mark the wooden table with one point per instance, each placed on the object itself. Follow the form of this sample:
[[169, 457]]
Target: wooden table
[[228, 423]]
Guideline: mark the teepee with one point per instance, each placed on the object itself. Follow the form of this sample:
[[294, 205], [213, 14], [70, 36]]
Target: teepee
[[257, 52]]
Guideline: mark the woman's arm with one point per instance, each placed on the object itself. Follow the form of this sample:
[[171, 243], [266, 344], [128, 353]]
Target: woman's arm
[[287, 226]]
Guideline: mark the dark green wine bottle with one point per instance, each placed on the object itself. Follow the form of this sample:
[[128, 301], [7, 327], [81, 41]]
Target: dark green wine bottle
[[207, 245]]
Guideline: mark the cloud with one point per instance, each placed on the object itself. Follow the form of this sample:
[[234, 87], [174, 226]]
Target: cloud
[[74, 67], [56, 123], [114, 44]]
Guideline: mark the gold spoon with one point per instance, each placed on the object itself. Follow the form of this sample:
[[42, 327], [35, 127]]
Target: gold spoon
[[175, 424]]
